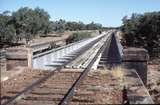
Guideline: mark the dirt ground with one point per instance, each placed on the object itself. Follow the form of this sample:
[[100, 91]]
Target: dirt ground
[[51, 37], [98, 88], [153, 84]]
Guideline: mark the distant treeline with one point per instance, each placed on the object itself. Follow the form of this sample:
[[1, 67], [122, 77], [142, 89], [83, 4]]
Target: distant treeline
[[77, 36], [143, 30], [26, 24]]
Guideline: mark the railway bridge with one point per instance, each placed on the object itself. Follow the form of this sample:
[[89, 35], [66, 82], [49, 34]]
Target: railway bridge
[[100, 53]]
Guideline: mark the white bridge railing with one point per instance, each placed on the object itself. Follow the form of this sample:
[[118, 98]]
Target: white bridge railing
[[43, 60]]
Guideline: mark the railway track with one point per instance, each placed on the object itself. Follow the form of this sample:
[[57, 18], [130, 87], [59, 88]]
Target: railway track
[[50, 88], [49, 92], [50, 59], [76, 84], [82, 86], [82, 61]]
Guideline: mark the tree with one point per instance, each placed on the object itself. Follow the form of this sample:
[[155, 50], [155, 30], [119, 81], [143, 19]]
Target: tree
[[7, 30], [59, 25], [62, 25], [93, 26], [29, 23], [142, 30]]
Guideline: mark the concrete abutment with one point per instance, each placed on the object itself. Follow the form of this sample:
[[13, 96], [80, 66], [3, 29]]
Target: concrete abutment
[[136, 58]]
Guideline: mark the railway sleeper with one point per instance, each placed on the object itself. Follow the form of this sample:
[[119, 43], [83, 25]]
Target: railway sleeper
[[76, 103], [52, 82], [52, 87], [36, 102], [58, 82], [57, 86], [43, 98], [83, 99], [50, 93]]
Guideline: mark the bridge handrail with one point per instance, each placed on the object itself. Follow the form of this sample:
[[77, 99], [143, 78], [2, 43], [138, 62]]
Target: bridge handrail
[[56, 49], [2, 54], [59, 48]]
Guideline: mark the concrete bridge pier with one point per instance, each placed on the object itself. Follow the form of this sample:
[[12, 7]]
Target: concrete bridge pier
[[136, 58], [18, 57], [3, 61]]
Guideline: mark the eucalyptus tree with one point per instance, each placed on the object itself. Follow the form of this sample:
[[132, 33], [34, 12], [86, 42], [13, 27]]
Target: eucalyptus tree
[[29, 23], [93, 26], [142, 30], [7, 30], [60, 25]]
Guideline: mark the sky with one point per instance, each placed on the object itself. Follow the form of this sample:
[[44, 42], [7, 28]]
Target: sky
[[106, 12]]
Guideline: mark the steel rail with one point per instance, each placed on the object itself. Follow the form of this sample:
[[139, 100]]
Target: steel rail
[[43, 79], [72, 90]]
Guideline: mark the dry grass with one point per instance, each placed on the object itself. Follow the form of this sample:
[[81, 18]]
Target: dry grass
[[117, 72]]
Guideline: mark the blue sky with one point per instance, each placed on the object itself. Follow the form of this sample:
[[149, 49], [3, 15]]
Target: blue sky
[[106, 12]]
